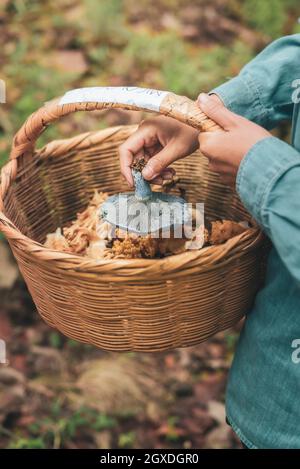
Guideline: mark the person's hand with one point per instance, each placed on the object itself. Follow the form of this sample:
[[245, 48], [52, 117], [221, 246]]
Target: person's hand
[[160, 140], [226, 148]]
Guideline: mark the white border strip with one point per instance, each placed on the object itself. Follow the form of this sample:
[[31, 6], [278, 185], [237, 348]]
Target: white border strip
[[141, 97]]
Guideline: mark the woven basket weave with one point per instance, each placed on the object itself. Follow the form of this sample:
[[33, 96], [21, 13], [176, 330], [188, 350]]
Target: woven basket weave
[[120, 304]]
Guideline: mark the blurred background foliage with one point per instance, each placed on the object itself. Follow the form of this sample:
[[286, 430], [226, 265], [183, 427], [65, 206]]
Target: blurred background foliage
[[56, 392], [185, 46]]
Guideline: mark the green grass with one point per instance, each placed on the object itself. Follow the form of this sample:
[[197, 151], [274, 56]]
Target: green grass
[[27, 443], [127, 440], [266, 16], [61, 426]]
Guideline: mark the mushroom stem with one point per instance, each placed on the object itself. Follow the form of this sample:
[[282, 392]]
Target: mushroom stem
[[143, 190]]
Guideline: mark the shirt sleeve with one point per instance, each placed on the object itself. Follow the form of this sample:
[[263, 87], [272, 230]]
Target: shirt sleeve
[[263, 90], [268, 183]]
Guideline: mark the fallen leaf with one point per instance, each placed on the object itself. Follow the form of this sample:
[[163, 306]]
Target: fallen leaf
[[217, 411]]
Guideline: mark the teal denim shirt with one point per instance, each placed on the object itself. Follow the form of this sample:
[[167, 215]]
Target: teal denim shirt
[[263, 392]]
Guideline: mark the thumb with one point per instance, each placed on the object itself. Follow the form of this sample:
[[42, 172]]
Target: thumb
[[159, 162], [213, 107]]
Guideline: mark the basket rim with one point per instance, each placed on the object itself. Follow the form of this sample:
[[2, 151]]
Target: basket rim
[[207, 258]]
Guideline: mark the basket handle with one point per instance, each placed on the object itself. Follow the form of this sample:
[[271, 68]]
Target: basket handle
[[96, 98]]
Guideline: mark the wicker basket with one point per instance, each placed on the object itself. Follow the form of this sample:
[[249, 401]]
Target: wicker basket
[[121, 305]]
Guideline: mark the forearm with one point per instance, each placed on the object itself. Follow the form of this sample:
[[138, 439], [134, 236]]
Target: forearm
[[268, 184]]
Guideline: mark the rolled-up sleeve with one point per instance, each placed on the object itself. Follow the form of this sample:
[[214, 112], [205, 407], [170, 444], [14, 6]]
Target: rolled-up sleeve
[[268, 183]]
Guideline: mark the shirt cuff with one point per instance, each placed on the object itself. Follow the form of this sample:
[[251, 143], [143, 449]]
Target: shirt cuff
[[259, 171], [242, 96]]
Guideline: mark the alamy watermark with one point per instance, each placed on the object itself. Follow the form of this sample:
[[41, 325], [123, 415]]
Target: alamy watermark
[[158, 218], [296, 353], [296, 92]]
